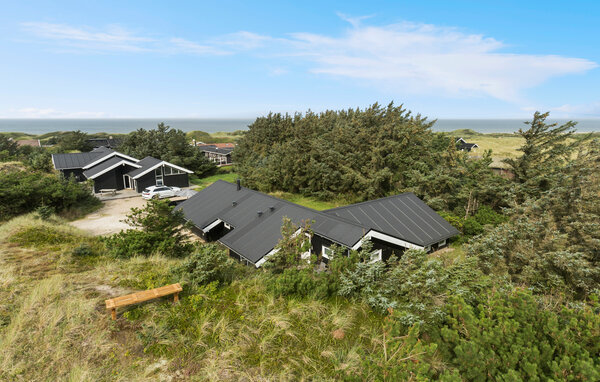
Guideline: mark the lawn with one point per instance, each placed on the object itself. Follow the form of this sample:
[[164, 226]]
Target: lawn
[[227, 174]]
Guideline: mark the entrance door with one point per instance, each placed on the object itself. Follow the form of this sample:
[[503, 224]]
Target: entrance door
[[127, 181]]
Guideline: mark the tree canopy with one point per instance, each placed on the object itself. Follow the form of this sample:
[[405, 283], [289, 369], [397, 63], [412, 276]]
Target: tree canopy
[[167, 144]]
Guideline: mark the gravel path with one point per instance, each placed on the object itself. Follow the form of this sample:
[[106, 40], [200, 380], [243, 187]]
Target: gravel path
[[107, 220]]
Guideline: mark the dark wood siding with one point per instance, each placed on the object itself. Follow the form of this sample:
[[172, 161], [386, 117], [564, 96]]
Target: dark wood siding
[[179, 180], [144, 181], [112, 179], [387, 249]]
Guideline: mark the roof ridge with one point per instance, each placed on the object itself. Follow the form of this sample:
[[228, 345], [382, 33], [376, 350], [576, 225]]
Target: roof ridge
[[368, 201], [322, 213]]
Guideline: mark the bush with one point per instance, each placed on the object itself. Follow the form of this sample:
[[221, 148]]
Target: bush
[[161, 230], [511, 337], [44, 212], [84, 250], [208, 264], [302, 283], [24, 191]]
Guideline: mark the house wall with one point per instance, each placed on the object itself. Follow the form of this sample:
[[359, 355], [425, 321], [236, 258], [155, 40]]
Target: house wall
[[387, 249], [112, 179], [179, 180], [147, 180]]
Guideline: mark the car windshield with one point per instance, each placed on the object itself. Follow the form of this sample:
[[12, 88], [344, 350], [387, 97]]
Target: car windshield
[[147, 190]]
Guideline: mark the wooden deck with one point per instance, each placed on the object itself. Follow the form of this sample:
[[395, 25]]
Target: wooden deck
[[146, 295]]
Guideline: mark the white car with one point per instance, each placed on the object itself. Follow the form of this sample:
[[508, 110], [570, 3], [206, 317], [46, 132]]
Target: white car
[[160, 192]]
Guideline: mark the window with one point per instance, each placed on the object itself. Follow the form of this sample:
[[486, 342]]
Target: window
[[172, 171], [327, 252], [376, 255]]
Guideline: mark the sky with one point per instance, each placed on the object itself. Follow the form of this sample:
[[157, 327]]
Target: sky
[[241, 59]]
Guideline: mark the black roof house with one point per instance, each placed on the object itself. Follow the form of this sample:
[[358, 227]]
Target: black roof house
[[249, 222], [111, 169], [462, 145]]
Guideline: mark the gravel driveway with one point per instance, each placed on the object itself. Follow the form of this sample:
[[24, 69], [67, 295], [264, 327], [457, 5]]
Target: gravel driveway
[[107, 220]]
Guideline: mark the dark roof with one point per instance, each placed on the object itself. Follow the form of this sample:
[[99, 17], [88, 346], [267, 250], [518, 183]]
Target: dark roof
[[76, 160], [217, 150], [103, 166], [146, 163], [256, 235], [403, 216], [108, 142], [466, 146]]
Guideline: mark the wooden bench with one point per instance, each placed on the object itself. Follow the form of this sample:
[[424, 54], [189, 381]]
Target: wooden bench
[[112, 191], [146, 295]]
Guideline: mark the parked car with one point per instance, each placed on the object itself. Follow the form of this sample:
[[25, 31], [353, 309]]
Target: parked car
[[160, 192]]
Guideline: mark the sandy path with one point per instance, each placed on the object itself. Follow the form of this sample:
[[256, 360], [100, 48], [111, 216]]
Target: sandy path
[[107, 220]]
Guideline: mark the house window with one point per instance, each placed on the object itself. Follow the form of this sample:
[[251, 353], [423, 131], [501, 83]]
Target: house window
[[442, 243], [376, 255], [172, 171], [327, 252], [159, 176]]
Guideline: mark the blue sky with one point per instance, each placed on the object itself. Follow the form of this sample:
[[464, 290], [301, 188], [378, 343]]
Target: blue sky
[[234, 59]]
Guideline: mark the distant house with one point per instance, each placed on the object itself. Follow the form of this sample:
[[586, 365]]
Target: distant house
[[218, 153], [110, 169], [249, 223], [29, 142], [462, 145], [109, 142]]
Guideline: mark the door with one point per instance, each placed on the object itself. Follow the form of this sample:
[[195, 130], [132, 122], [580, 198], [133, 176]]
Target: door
[[126, 182]]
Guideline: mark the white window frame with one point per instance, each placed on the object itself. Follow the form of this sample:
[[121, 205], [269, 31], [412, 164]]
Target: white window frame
[[325, 250], [376, 255]]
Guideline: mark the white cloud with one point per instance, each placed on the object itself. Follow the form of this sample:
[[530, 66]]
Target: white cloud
[[590, 110], [403, 58], [429, 59]]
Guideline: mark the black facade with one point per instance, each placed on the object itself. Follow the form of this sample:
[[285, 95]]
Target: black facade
[[149, 179], [113, 179]]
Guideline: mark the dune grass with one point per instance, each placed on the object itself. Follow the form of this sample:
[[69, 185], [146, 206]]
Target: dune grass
[[54, 326]]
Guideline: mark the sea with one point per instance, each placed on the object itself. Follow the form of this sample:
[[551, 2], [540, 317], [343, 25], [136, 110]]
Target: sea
[[122, 126]]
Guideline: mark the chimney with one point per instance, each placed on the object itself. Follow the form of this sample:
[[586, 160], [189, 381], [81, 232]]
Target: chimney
[[259, 213], [234, 204], [272, 208], [239, 185]]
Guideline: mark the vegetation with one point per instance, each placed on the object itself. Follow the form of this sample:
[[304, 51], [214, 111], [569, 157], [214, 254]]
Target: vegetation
[[517, 299], [74, 141], [158, 229], [24, 191], [362, 154], [168, 144]]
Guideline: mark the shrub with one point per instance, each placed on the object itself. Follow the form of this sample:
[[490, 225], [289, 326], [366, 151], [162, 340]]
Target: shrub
[[302, 283], [511, 337], [24, 191], [44, 212], [84, 250], [208, 264], [161, 230]]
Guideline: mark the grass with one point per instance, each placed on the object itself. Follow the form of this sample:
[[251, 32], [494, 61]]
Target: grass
[[227, 174], [54, 326]]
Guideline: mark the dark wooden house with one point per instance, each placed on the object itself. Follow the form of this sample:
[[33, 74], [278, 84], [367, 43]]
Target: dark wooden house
[[110, 169], [249, 223]]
